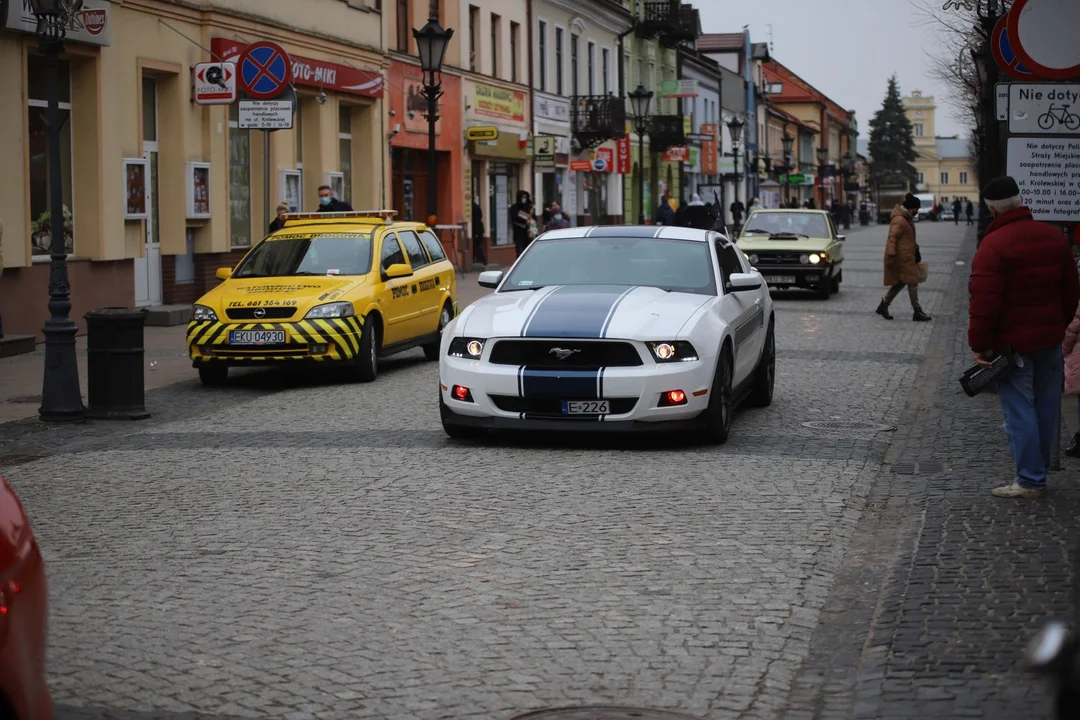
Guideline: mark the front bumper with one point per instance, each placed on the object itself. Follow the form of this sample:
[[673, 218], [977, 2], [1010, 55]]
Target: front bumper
[[513, 397], [306, 341], [803, 276]]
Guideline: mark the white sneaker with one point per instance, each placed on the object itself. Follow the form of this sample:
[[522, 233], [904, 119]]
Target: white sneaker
[[1017, 491]]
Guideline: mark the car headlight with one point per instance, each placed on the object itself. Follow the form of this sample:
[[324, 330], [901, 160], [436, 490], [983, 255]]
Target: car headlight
[[330, 310], [815, 259], [464, 347], [753, 259], [201, 312], [672, 351]]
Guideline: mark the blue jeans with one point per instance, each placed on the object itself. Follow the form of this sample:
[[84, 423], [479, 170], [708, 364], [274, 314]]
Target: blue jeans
[[1030, 399]]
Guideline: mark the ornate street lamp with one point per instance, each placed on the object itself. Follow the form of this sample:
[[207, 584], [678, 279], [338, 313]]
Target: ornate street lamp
[[789, 162], [61, 398], [822, 154], [639, 104], [431, 43], [735, 128]]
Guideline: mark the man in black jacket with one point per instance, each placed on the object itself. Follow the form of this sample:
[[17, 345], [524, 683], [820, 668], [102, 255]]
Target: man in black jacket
[[329, 203]]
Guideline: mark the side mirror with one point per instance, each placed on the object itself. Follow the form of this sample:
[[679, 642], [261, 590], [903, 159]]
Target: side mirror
[[841, 238], [223, 273], [490, 278], [397, 270], [741, 282]]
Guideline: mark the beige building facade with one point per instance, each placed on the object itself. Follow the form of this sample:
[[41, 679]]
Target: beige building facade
[[945, 166], [160, 191]]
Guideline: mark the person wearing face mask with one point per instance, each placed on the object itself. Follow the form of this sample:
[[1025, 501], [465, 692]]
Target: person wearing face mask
[[329, 203], [1024, 292], [557, 222]]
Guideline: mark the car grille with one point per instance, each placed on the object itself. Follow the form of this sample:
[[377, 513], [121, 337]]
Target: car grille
[[778, 258], [538, 353], [553, 407], [270, 313]]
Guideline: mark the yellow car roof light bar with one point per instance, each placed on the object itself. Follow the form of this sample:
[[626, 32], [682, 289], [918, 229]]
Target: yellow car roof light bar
[[382, 214]]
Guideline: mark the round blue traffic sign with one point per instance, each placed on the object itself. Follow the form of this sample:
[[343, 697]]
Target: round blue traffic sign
[[264, 70], [599, 164]]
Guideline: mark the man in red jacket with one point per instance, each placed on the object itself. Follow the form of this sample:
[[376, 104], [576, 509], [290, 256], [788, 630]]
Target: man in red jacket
[[1024, 292]]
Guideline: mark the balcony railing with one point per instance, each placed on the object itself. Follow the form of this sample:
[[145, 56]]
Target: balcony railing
[[669, 20], [665, 131], [595, 119], [686, 28]]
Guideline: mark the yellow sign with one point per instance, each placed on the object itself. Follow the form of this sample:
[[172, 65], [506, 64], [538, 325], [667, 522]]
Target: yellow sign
[[485, 132]]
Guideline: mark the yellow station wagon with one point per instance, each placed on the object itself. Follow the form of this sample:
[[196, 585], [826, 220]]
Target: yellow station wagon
[[795, 248], [328, 288]]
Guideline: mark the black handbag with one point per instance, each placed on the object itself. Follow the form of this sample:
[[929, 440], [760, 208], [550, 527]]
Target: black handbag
[[978, 378], [918, 254]]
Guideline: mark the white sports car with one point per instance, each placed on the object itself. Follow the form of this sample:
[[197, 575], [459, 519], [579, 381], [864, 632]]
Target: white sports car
[[612, 328]]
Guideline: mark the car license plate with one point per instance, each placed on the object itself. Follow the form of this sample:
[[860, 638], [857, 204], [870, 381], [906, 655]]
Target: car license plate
[[586, 407], [780, 279], [256, 337]]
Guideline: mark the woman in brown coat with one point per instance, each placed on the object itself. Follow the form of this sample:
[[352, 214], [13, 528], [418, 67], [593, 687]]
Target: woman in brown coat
[[902, 260]]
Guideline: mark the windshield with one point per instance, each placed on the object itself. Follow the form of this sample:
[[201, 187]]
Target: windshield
[[810, 224], [674, 265], [308, 254]]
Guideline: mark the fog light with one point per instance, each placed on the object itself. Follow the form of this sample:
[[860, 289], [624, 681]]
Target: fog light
[[672, 398], [319, 349], [462, 393]]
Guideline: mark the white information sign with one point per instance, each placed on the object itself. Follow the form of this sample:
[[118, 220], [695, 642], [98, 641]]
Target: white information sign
[[266, 115], [1052, 108], [1048, 173], [1002, 95]]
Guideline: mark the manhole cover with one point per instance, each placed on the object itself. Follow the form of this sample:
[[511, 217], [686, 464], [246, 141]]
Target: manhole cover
[[846, 426], [603, 712]]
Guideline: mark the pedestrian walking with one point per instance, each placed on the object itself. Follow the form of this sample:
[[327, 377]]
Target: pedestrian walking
[[1024, 291], [680, 215], [957, 207], [521, 219], [664, 214], [479, 248], [697, 214], [902, 258], [329, 203], [279, 220], [737, 210], [970, 213], [557, 221]]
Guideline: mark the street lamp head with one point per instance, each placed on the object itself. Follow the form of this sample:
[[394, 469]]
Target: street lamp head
[[55, 8], [788, 142], [639, 102], [821, 153], [431, 43], [735, 128]]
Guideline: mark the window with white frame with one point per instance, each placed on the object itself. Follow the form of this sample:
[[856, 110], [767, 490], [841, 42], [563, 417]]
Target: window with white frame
[[345, 150], [37, 108], [922, 178], [944, 178], [963, 178], [919, 130], [239, 181]]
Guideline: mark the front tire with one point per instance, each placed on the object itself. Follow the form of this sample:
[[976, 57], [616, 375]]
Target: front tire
[[761, 395], [453, 430], [431, 350], [214, 375], [367, 358], [717, 417]]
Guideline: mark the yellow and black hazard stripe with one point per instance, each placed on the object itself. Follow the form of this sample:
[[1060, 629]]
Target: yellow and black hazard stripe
[[341, 336]]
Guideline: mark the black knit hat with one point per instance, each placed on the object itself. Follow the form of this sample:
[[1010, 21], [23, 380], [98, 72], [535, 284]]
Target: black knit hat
[[1000, 189], [911, 202]]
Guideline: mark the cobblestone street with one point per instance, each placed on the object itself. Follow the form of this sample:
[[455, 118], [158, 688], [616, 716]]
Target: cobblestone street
[[321, 549]]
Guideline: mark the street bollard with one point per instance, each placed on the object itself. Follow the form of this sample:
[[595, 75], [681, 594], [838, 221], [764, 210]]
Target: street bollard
[[114, 364]]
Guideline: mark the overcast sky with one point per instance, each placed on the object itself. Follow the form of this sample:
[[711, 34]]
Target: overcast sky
[[847, 49]]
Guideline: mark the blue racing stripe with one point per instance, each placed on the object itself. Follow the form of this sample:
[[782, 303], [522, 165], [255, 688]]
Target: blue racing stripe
[[574, 311], [562, 384]]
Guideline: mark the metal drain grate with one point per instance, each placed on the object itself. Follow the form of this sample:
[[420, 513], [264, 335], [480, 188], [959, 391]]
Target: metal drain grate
[[846, 426], [12, 459], [603, 712], [931, 467]]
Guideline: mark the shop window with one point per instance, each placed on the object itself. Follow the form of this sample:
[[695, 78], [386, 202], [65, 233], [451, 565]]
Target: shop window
[[433, 246], [403, 25], [345, 150], [239, 181], [37, 113], [417, 257]]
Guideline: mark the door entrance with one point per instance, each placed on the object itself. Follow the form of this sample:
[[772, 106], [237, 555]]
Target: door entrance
[[148, 267]]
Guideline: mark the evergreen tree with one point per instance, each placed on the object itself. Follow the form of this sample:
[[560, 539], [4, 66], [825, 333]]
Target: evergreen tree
[[892, 140]]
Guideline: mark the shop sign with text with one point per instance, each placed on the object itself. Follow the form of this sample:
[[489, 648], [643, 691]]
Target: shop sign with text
[[501, 103], [709, 149], [623, 155], [315, 73], [677, 154]]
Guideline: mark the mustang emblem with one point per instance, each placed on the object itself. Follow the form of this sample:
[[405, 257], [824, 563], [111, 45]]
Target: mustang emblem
[[562, 353], [259, 313]]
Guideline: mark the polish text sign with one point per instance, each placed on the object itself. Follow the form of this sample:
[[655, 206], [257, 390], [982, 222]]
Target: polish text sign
[[1048, 173], [1052, 108], [623, 155]]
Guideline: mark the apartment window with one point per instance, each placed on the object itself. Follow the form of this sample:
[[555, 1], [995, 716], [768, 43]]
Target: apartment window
[[918, 129], [345, 150], [403, 25], [944, 178], [922, 178], [542, 43], [39, 151], [434, 11], [515, 31], [474, 27], [239, 181], [558, 61], [963, 178], [590, 67], [574, 65], [495, 20], [605, 63]]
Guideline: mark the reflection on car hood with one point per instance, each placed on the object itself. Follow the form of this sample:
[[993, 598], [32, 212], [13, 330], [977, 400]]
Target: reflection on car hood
[[583, 311]]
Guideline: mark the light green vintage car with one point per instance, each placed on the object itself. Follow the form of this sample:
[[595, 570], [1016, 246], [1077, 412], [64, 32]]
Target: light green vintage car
[[795, 249]]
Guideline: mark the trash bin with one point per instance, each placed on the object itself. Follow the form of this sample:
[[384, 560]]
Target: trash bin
[[114, 364]]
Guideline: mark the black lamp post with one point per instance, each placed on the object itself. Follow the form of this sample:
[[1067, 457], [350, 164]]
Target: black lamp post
[[61, 399], [735, 128], [431, 43], [822, 152], [990, 151], [789, 162], [639, 104]]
